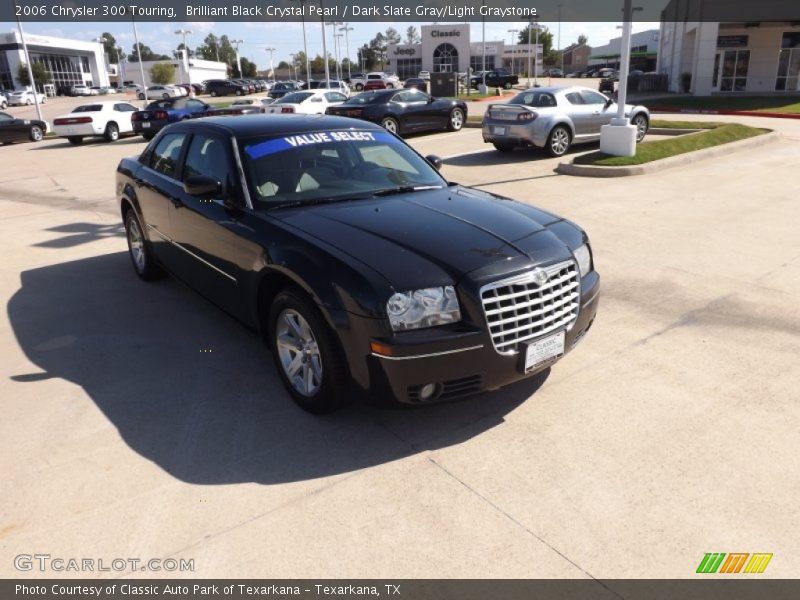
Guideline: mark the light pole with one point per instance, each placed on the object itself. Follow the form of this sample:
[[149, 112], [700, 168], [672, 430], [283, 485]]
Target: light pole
[[559, 40], [305, 44], [121, 66], [338, 37], [530, 50], [293, 65], [139, 57], [185, 56], [346, 30], [483, 43], [28, 62], [513, 33], [238, 58], [333, 25], [271, 68], [324, 45]]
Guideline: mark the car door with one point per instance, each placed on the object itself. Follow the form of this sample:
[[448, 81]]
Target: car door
[[9, 128], [196, 108], [410, 110], [600, 113], [122, 115], [581, 114], [158, 186], [206, 229]]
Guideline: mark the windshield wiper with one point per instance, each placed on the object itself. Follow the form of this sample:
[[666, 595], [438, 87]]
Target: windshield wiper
[[406, 189], [315, 201]]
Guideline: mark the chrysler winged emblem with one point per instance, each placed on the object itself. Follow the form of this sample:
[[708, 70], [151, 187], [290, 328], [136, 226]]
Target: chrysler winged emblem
[[540, 276]]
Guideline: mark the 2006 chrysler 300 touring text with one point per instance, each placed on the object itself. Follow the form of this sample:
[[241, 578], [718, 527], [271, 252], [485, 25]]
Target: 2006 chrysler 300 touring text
[[366, 271]]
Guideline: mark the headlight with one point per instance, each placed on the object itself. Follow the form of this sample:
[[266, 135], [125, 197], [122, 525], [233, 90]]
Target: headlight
[[583, 256], [423, 308]]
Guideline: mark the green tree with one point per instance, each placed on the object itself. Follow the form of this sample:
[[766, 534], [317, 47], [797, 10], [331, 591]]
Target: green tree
[[146, 54], [549, 54], [162, 73], [40, 75], [412, 36], [249, 68], [177, 52], [283, 65], [110, 47], [209, 49], [366, 58], [582, 39], [392, 36]]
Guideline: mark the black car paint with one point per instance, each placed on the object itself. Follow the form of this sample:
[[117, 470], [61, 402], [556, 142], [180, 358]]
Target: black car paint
[[412, 117], [18, 130], [350, 257]]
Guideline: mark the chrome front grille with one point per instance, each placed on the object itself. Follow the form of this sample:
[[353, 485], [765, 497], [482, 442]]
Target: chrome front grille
[[528, 306]]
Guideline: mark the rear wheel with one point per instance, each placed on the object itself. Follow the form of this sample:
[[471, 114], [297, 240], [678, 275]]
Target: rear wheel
[[111, 133], [507, 85], [391, 125], [141, 96], [456, 120], [165, 96], [359, 87], [503, 147], [213, 93], [75, 139], [559, 141], [306, 355], [148, 136], [36, 134], [138, 250]]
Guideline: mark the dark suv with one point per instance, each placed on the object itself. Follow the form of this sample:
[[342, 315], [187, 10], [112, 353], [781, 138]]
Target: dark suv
[[222, 87]]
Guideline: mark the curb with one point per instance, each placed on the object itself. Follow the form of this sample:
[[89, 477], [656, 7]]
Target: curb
[[722, 111], [666, 163]]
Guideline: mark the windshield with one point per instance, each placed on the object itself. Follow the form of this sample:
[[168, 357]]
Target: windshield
[[89, 108], [294, 98], [366, 98], [331, 165]]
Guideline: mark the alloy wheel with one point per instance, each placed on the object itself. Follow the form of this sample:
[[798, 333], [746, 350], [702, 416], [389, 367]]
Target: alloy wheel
[[559, 141], [299, 352], [457, 119], [390, 125], [136, 245], [640, 121]]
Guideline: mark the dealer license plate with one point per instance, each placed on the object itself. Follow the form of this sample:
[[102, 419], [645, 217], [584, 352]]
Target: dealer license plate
[[543, 351], [499, 130], [145, 124]]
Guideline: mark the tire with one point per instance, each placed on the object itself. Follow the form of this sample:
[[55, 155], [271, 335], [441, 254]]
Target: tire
[[389, 86], [507, 85], [239, 92], [36, 134], [138, 249], [111, 134], [503, 147], [391, 125], [76, 140], [213, 93], [359, 87], [28, 102], [141, 96], [148, 136], [306, 354], [44, 99], [165, 96], [642, 124], [559, 141], [456, 120]]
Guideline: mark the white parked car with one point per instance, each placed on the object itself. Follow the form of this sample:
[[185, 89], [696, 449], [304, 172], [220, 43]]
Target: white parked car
[[20, 97], [107, 119], [391, 81], [313, 102], [157, 92]]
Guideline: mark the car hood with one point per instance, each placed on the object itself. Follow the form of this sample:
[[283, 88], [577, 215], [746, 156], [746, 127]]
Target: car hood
[[434, 237]]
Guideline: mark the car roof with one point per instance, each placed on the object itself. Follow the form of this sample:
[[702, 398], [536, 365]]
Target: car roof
[[554, 89], [260, 124]]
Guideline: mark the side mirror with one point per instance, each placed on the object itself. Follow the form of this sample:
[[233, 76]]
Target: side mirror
[[435, 161], [202, 186], [609, 102], [431, 99]]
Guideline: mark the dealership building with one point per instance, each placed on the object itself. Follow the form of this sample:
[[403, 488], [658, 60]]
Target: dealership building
[[753, 57], [67, 62], [448, 48]]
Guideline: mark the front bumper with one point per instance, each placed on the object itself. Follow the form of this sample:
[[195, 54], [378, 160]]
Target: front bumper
[[460, 362]]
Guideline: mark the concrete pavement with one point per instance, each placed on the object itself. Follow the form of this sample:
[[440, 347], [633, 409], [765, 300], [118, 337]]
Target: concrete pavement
[[669, 432]]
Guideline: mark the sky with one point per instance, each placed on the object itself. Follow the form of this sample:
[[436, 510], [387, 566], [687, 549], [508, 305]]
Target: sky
[[287, 37]]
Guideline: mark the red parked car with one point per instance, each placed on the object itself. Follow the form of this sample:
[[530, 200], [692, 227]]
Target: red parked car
[[374, 84]]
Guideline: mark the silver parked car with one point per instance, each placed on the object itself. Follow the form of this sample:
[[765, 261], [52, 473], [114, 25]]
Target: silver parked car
[[554, 118]]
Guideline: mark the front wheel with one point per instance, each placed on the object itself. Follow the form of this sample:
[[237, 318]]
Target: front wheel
[[391, 125], [36, 134], [138, 250], [148, 136], [213, 93], [141, 96], [359, 87], [642, 124], [559, 141], [456, 120], [306, 354], [507, 85]]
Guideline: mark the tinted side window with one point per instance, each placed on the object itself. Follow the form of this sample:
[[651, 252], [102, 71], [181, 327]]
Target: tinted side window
[[574, 98], [167, 153], [590, 97], [207, 156]]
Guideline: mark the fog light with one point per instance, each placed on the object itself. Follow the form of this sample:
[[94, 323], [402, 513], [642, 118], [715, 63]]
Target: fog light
[[428, 391]]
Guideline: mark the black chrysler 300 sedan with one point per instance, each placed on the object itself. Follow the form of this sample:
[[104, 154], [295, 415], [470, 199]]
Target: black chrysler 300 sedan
[[365, 270]]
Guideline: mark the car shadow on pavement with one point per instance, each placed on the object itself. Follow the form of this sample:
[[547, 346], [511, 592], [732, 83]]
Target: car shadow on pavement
[[195, 392], [518, 155], [76, 234], [92, 141]]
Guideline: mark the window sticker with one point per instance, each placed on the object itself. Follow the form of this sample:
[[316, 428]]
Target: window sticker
[[318, 137]]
